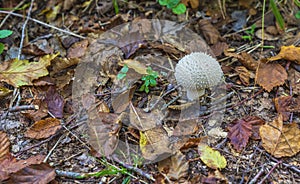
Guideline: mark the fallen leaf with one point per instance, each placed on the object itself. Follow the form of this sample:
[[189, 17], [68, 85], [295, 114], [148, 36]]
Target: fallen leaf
[[136, 66], [22, 72], [267, 36], [194, 3], [294, 79], [4, 163], [270, 75], [4, 145], [244, 74], [186, 127], [4, 92], [219, 48], [280, 140], [55, 102], [246, 59], [39, 114], [121, 101], [103, 131], [281, 105], [290, 53], [35, 173], [38, 48], [212, 158], [43, 128], [214, 178], [211, 34], [78, 49], [175, 167], [241, 130]]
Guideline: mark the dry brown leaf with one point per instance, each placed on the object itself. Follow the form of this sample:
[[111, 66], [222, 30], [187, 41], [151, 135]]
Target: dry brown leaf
[[211, 34], [43, 128], [186, 127], [4, 145], [35, 173], [294, 79], [37, 115], [245, 58], [122, 100], [103, 131], [78, 49], [194, 3], [219, 48], [270, 75], [290, 53], [281, 104], [244, 74], [176, 167], [280, 140]]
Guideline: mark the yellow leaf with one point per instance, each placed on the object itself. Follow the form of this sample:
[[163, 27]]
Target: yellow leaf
[[211, 158], [136, 65], [22, 72], [290, 53]]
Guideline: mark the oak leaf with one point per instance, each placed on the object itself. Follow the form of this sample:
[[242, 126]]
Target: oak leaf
[[270, 75], [280, 140]]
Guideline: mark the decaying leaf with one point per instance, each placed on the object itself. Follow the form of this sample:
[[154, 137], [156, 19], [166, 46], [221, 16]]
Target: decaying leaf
[[175, 167], [270, 75], [78, 49], [35, 173], [136, 66], [22, 72], [186, 127], [241, 130], [122, 100], [280, 140], [244, 74], [4, 145], [194, 3], [43, 128], [210, 157], [103, 131], [55, 102], [294, 79], [290, 53], [211, 34], [214, 178], [281, 104], [39, 114]]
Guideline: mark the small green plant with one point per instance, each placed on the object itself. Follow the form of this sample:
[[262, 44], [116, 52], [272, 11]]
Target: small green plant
[[123, 72], [177, 7], [297, 15], [116, 7], [250, 33], [149, 80], [4, 34], [277, 14]]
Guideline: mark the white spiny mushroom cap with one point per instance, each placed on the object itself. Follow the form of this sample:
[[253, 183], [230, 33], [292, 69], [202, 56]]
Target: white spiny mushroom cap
[[197, 71]]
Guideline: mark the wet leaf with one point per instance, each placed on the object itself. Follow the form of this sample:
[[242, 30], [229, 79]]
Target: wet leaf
[[43, 128], [290, 53], [244, 74], [280, 140], [175, 167], [78, 49], [241, 130], [4, 145], [35, 173], [22, 72], [103, 131], [211, 158], [55, 102], [270, 75]]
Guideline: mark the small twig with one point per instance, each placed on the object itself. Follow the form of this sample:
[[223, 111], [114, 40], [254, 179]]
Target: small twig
[[261, 171], [52, 149], [44, 24], [135, 169], [23, 29], [262, 181], [8, 15], [23, 108]]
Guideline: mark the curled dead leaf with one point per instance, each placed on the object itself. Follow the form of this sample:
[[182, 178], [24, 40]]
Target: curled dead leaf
[[43, 128], [244, 74], [290, 53]]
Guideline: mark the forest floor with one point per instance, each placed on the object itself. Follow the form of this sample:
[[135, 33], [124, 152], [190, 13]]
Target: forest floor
[[91, 95]]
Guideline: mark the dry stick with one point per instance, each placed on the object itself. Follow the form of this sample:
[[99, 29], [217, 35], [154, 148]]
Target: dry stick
[[261, 171], [23, 107], [262, 181], [135, 169], [7, 16], [23, 30], [44, 24]]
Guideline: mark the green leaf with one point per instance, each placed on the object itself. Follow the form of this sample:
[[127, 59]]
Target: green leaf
[[147, 82], [179, 9], [22, 72], [297, 15], [146, 89], [124, 69], [163, 2], [116, 7], [153, 82], [277, 14], [5, 33], [121, 76], [142, 88], [172, 3], [1, 48]]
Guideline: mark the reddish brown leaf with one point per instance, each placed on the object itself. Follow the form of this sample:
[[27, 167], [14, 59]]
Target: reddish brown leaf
[[270, 75], [43, 128], [244, 74], [77, 49], [37, 115], [211, 34], [7, 160], [241, 130], [194, 3], [281, 105], [35, 173], [55, 102], [290, 53], [245, 58], [4, 145]]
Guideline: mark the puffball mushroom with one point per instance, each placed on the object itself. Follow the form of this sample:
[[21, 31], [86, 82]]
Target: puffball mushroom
[[197, 71]]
